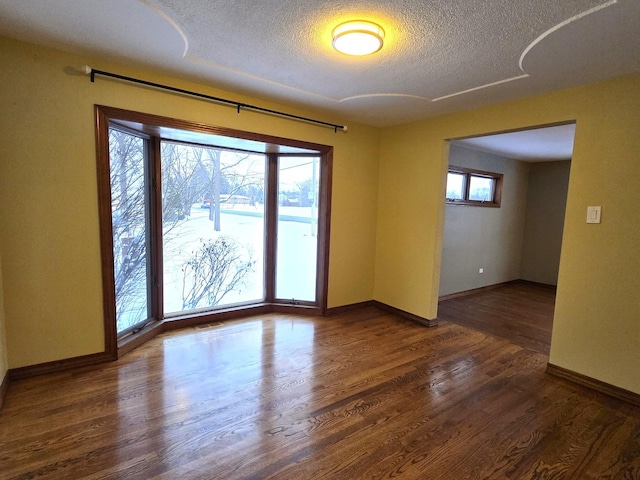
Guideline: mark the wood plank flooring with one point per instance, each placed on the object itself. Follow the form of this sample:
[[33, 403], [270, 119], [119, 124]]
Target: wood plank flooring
[[358, 395], [519, 312]]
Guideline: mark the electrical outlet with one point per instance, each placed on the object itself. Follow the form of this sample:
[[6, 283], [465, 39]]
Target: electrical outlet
[[481, 270]]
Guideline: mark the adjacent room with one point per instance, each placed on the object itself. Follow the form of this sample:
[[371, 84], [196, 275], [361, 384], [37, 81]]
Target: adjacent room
[[234, 244], [506, 201]]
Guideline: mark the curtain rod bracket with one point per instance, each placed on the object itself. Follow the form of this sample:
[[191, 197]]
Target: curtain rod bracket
[[86, 69]]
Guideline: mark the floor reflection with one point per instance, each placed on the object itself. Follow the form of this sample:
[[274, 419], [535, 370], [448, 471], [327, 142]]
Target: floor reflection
[[231, 381]]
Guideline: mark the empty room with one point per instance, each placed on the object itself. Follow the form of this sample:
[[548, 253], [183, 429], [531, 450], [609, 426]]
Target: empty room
[[236, 245]]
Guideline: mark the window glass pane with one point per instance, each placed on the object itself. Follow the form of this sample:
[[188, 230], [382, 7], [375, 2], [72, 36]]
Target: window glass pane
[[213, 227], [129, 221], [480, 189], [297, 241], [455, 186]]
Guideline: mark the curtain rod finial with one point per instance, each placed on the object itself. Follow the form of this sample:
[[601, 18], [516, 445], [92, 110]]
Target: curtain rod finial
[[344, 128], [86, 69]]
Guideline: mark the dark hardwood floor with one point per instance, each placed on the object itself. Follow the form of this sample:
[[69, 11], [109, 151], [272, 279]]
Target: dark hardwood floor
[[358, 395], [519, 312]]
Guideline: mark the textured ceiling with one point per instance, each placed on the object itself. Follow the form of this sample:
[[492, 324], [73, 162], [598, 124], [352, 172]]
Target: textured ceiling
[[439, 56]]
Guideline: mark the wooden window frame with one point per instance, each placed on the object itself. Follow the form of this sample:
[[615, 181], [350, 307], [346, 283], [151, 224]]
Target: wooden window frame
[[468, 173], [152, 126]]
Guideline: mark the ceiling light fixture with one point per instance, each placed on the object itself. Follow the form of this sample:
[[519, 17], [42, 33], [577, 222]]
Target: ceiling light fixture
[[358, 37]]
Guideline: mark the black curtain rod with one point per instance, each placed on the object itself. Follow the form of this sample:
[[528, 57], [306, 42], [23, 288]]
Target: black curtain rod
[[239, 105]]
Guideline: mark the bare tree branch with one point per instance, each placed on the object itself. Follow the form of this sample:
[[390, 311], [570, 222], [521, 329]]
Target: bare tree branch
[[215, 269]]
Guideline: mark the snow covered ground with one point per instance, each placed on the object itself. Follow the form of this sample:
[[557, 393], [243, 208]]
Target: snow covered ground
[[296, 252]]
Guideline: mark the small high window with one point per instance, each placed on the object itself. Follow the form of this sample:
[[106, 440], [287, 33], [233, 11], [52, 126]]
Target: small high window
[[473, 187]]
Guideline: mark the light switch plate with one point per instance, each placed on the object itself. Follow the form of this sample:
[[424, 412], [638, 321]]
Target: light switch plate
[[593, 214]]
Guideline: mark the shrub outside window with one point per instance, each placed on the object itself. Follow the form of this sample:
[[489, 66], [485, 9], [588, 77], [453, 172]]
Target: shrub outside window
[[473, 187]]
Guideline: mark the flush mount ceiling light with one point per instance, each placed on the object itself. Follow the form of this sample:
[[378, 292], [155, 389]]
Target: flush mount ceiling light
[[358, 37]]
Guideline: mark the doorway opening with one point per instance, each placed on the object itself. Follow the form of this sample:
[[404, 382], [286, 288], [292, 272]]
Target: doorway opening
[[519, 240]]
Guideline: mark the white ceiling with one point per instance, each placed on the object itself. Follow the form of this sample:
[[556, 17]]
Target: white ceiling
[[536, 145], [440, 56]]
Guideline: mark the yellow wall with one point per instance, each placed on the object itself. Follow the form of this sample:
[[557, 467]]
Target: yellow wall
[[4, 364], [387, 206], [597, 317], [48, 196]]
